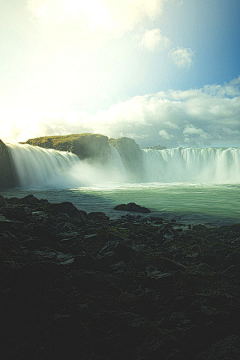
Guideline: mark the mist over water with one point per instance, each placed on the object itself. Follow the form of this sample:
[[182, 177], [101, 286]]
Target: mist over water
[[177, 182]]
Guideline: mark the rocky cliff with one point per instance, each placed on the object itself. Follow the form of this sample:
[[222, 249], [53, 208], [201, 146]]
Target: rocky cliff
[[7, 173], [93, 147], [96, 148], [131, 156]]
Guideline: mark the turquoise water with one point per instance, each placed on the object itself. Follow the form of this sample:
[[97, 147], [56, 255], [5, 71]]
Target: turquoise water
[[217, 204]]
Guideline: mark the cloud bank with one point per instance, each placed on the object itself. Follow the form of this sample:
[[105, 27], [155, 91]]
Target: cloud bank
[[209, 116]]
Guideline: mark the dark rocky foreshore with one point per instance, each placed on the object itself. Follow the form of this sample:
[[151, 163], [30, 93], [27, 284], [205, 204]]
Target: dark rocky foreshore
[[80, 286]]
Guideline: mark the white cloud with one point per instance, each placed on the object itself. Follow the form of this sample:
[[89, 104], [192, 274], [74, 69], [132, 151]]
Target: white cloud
[[165, 135], [231, 132], [133, 136], [171, 125], [193, 117], [182, 57], [191, 130], [153, 40]]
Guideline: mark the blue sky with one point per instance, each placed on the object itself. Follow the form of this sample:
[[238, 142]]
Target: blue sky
[[159, 71]]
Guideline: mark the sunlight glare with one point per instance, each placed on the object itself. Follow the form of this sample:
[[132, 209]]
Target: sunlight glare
[[94, 9]]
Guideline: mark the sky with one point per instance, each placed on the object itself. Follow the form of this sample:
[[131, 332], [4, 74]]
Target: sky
[[159, 71]]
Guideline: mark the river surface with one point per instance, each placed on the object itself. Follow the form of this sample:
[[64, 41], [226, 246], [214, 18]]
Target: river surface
[[211, 204]]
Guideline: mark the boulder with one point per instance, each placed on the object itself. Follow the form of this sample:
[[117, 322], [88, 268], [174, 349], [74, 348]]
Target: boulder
[[66, 208], [132, 207]]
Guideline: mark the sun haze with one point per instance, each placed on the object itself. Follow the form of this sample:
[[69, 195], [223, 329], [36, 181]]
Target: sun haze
[[157, 71]]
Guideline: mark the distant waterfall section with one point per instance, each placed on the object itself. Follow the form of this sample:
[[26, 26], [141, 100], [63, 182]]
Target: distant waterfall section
[[38, 166], [210, 165]]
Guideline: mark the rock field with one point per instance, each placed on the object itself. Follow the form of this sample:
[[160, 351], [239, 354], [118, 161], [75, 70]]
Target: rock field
[[81, 286]]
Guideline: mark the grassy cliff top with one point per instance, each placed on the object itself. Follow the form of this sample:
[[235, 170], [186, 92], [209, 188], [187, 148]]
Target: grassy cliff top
[[57, 139], [84, 145]]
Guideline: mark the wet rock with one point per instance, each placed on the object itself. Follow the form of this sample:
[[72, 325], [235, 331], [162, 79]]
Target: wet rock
[[47, 234], [84, 261], [97, 216], [67, 208], [2, 200], [17, 212], [31, 200], [6, 224], [132, 207], [8, 240], [123, 252], [168, 264], [40, 216], [157, 280]]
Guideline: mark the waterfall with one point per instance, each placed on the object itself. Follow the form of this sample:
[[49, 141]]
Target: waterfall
[[117, 162], [210, 165], [37, 166]]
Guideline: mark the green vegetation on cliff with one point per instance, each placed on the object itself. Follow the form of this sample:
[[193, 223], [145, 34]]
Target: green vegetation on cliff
[[94, 147]]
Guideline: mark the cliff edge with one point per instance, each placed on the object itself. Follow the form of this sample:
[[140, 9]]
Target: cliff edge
[[7, 173]]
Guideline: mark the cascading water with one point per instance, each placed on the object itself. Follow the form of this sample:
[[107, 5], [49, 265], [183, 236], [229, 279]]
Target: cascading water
[[117, 163], [210, 165], [37, 166]]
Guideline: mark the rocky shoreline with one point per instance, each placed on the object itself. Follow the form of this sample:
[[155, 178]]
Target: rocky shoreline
[[82, 286]]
